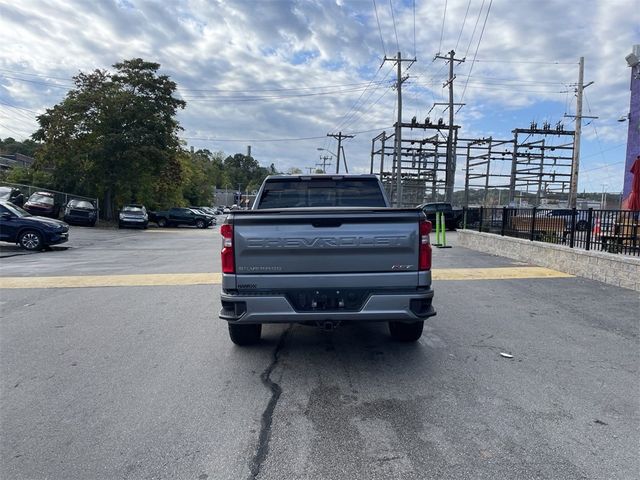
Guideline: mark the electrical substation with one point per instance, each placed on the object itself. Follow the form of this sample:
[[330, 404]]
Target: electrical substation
[[417, 161]]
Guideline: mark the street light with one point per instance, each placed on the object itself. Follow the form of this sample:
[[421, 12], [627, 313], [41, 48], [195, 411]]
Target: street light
[[320, 149]]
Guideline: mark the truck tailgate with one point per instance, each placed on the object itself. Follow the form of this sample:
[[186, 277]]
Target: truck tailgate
[[326, 242]]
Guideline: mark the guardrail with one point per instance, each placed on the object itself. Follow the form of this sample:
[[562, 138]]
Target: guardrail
[[613, 231]]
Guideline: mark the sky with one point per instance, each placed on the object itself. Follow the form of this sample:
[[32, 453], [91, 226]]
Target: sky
[[280, 75]]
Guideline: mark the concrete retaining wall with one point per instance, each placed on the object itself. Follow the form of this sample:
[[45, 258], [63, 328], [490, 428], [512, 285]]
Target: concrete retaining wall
[[618, 270]]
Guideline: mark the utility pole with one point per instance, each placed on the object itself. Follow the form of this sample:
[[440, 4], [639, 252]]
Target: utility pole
[[575, 166], [311, 169], [339, 136], [397, 156], [324, 163], [451, 160]]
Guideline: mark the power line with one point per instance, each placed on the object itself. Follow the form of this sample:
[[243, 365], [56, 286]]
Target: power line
[[18, 115], [12, 130], [353, 107], [257, 140], [473, 34], [38, 75], [350, 116], [49, 84], [517, 80], [414, 28], [375, 9], [526, 61], [463, 23], [394, 24], [254, 98], [19, 108], [253, 140], [251, 90], [212, 90], [444, 16], [594, 126], [477, 48], [386, 91]]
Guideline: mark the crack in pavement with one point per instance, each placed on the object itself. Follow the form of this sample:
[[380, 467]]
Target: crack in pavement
[[262, 449]]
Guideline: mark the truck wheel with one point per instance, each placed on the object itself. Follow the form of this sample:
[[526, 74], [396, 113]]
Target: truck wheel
[[30, 240], [200, 224], [162, 222], [245, 334], [406, 332]]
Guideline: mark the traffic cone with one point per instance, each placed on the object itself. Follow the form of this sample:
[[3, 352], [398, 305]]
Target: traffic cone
[[443, 227]]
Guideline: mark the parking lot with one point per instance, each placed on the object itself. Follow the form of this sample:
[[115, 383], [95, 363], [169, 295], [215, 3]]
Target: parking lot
[[118, 367]]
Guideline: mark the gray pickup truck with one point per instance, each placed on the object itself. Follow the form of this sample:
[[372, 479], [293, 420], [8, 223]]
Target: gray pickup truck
[[324, 250]]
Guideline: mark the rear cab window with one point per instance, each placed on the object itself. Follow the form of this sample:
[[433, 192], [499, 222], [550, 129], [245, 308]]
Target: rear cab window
[[321, 192]]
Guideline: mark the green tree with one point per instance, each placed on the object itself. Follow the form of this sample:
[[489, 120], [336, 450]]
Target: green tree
[[115, 136], [205, 173], [10, 146], [244, 172]]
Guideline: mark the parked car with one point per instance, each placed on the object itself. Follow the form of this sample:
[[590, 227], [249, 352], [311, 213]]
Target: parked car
[[181, 216], [43, 204], [80, 212], [200, 210], [12, 194], [209, 210], [582, 223], [133, 215], [29, 231]]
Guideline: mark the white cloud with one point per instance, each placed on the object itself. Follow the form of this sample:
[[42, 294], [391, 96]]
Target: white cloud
[[245, 48]]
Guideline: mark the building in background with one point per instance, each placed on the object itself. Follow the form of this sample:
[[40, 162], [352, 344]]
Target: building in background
[[633, 137], [12, 160]]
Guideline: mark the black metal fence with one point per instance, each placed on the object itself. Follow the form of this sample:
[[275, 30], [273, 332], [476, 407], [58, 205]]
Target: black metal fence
[[613, 231]]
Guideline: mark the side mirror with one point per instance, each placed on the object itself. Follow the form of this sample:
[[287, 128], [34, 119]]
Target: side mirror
[[6, 216]]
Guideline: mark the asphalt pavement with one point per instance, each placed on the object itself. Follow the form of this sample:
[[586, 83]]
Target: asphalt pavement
[[142, 382]]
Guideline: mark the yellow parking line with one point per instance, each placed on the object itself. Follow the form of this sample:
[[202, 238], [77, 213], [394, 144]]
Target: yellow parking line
[[143, 280], [496, 273], [159, 279]]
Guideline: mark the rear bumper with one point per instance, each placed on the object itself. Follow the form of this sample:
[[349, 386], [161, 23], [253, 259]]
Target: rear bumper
[[133, 222], [81, 220], [379, 307]]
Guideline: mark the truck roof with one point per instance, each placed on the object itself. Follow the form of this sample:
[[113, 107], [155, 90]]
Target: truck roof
[[321, 175]]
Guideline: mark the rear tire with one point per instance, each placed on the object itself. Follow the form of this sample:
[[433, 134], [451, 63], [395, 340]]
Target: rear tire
[[200, 224], [30, 240], [162, 222], [245, 334], [406, 332]]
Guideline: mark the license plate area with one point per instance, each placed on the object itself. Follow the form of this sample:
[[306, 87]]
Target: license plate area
[[327, 300]]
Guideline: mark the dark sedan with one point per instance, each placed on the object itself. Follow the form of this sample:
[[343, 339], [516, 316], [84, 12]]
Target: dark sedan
[[80, 212], [29, 231], [133, 216], [43, 204]]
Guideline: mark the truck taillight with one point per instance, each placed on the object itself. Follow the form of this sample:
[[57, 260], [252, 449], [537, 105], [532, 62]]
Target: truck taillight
[[226, 255], [424, 262]]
